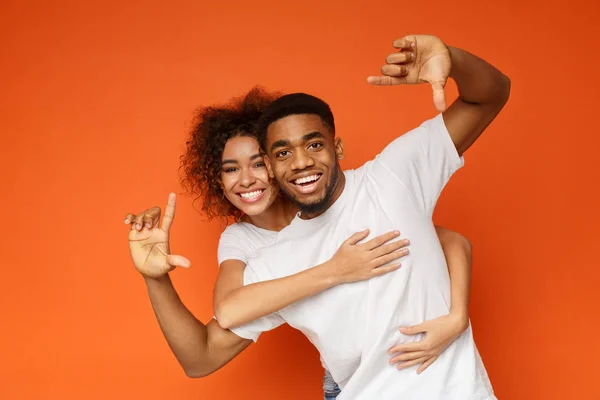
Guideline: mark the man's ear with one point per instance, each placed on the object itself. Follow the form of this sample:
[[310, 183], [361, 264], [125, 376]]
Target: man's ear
[[269, 168], [339, 148]]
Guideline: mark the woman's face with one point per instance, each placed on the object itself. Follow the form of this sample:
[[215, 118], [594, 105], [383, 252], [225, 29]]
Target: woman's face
[[244, 176]]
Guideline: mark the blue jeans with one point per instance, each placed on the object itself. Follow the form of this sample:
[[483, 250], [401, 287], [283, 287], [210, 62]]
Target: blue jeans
[[331, 390]]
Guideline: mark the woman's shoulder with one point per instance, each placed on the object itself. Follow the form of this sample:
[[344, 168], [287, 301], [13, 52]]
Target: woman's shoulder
[[239, 240], [243, 231]]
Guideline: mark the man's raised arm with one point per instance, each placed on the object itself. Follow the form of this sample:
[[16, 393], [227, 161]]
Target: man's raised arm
[[483, 89]]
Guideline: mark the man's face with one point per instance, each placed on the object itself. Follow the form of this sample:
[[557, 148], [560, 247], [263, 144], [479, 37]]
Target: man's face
[[303, 156]]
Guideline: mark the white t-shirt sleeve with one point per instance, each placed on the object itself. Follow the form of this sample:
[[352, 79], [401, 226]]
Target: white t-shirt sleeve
[[423, 160], [232, 247], [252, 330]]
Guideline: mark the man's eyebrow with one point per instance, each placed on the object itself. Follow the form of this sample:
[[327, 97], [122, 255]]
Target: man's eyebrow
[[280, 143], [305, 138], [313, 135]]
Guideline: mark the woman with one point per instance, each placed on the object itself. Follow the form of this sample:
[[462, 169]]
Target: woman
[[224, 167]]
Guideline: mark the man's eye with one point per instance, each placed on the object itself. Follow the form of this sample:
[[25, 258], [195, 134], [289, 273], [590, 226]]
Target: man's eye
[[316, 145], [283, 153]]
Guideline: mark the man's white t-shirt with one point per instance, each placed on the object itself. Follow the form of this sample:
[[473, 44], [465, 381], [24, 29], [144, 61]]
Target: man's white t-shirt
[[354, 325]]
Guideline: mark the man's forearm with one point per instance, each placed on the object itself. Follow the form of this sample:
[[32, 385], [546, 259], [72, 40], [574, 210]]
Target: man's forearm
[[478, 81]]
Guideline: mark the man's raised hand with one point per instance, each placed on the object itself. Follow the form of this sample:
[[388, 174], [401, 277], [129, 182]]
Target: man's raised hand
[[419, 59]]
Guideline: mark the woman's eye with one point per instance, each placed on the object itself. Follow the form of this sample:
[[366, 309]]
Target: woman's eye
[[228, 170], [259, 165]]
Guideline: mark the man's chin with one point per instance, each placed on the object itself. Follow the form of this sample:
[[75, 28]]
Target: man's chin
[[300, 198], [308, 204], [311, 207]]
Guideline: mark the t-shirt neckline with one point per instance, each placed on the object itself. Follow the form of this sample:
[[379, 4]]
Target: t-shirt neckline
[[332, 212]]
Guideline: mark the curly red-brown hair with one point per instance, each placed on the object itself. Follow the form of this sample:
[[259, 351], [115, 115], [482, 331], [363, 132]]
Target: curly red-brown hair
[[212, 127]]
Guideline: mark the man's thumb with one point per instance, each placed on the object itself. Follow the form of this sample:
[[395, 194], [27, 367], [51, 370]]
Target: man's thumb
[[439, 96], [178, 261]]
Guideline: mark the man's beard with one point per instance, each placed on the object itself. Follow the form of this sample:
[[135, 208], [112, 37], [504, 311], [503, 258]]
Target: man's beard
[[319, 205]]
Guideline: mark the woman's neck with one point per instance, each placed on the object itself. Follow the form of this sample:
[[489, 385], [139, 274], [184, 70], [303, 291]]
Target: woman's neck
[[275, 218]]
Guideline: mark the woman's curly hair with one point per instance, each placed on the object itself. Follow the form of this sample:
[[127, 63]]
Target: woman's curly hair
[[213, 126]]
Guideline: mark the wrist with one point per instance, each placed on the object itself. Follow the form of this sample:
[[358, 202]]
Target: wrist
[[329, 275], [158, 280], [460, 317], [455, 60]]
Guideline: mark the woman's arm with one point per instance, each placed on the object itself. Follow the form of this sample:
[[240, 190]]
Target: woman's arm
[[236, 304], [200, 349], [442, 331], [458, 252]]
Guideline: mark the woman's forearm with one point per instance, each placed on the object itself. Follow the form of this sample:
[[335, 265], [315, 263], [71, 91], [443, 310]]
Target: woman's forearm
[[200, 349], [187, 337], [353, 261], [247, 303], [457, 250]]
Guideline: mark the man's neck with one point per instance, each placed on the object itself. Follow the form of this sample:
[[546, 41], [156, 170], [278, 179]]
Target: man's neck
[[337, 192]]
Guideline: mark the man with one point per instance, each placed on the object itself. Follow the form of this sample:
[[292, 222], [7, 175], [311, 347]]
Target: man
[[354, 326]]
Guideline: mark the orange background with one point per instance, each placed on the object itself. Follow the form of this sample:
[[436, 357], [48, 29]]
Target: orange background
[[96, 101]]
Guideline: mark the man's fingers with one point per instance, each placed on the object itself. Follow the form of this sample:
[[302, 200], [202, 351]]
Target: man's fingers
[[385, 81], [394, 70], [404, 43], [439, 96], [408, 356], [394, 74], [357, 237], [178, 261], [169, 212], [381, 239], [411, 363], [400, 57], [426, 364]]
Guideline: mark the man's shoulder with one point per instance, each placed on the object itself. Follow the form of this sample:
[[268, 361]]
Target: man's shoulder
[[355, 176]]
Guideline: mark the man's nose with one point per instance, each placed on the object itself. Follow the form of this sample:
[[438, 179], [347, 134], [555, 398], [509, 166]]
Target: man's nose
[[301, 161]]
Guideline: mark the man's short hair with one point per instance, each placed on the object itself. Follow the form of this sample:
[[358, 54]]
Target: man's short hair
[[293, 104]]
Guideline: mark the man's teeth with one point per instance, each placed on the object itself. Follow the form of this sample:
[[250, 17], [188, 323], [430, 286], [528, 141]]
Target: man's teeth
[[306, 179], [251, 195]]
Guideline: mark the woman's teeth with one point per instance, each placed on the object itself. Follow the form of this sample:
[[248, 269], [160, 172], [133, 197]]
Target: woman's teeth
[[251, 195]]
